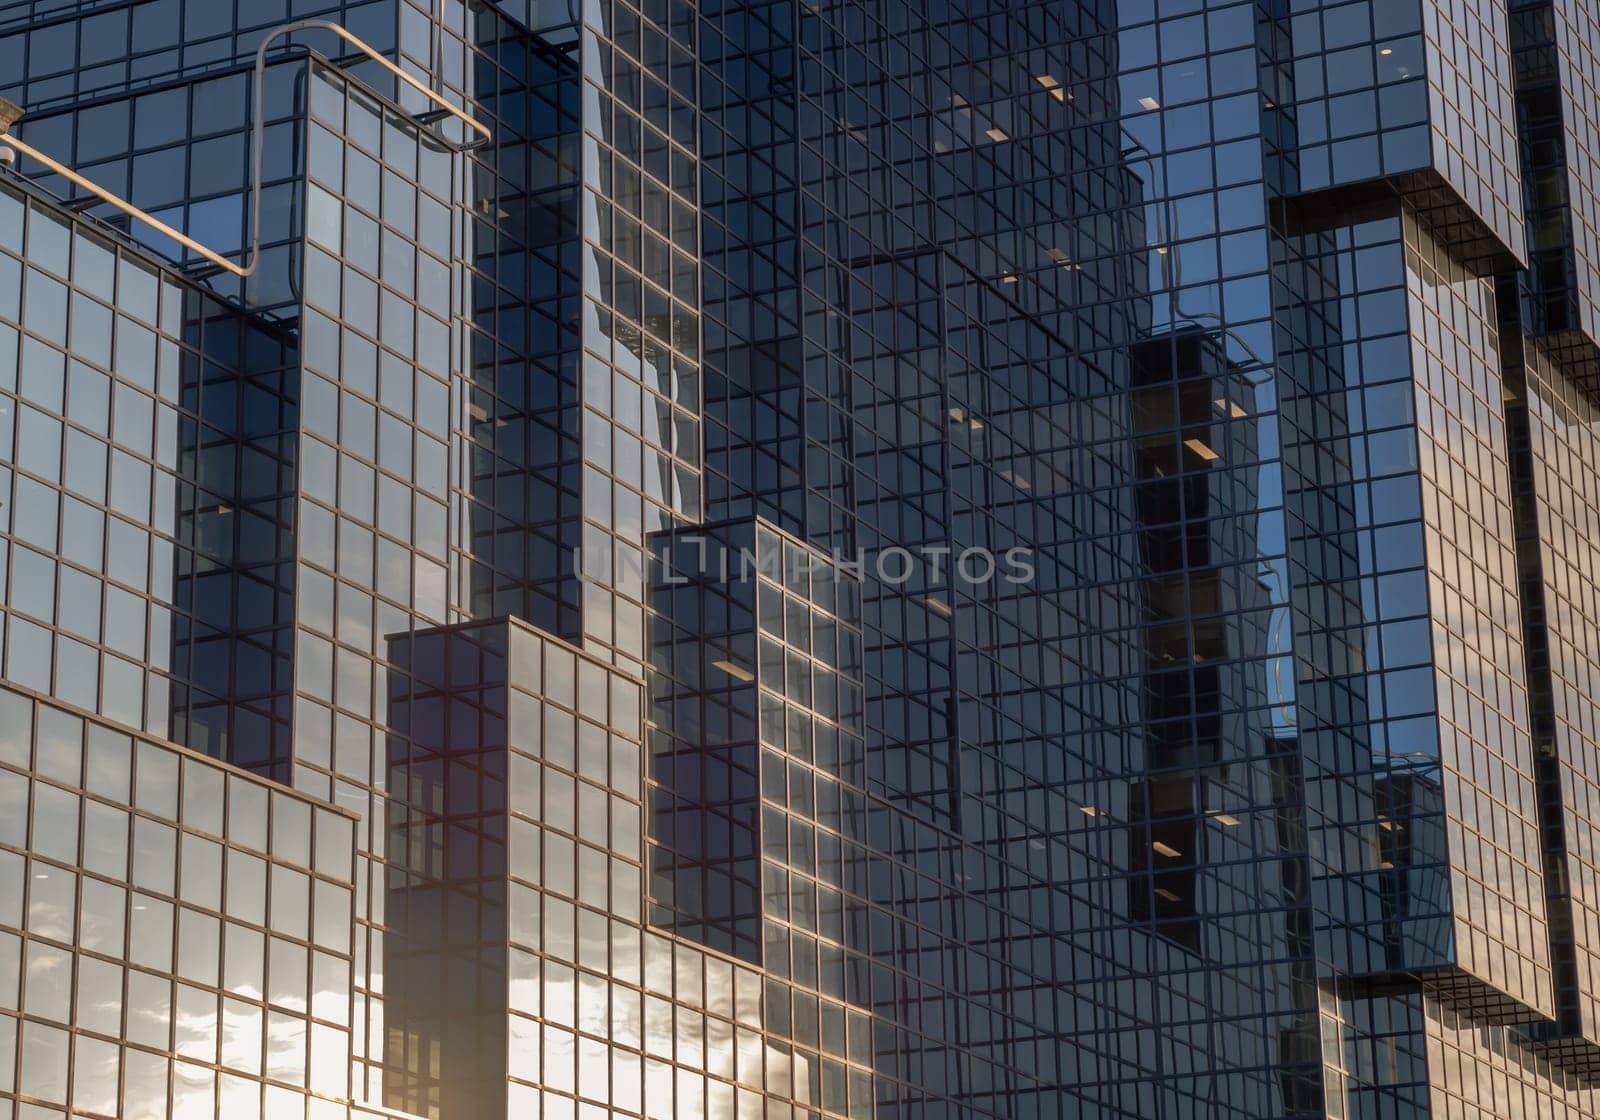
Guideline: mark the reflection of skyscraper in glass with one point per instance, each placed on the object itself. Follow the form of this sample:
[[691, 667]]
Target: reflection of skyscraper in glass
[[997, 560]]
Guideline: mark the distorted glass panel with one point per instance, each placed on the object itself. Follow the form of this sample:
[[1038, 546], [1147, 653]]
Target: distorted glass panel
[[96, 1066], [59, 751], [334, 842], [13, 874], [55, 823], [150, 932], [110, 763], [156, 784], [244, 961], [242, 1036], [12, 212], [149, 1009], [144, 1085], [44, 306], [16, 741], [123, 694], [247, 813], [91, 330], [287, 974], [99, 998], [43, 376], [103, 917], [291, 829], [330, 988], [10, 970], [202, 798], [83, 542], [201, 872], [44, 1062], [290, 902], [36, 514], [217, 223], [38, 443], [80, 611], [49, 240], [332, 916], [286, 1048], [77, 673], [155, 853], [194, 1022], [330, 1060], [48, 982]]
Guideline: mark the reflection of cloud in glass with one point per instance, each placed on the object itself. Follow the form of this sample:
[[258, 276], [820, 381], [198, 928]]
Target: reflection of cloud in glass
[[241, 1036], [286, 1048]]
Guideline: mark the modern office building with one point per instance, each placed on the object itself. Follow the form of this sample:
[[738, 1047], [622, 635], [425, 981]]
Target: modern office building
[[799, 559]]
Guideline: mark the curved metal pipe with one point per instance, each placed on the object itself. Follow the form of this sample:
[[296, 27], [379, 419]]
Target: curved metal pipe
[[259, 125]]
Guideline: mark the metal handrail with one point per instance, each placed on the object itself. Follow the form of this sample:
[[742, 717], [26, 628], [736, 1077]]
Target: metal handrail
[[10, 141], [9, 113], [484, 134]]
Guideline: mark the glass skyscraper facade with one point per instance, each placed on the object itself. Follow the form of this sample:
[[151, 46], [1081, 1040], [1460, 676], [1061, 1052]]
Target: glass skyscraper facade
[[784, 559]]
